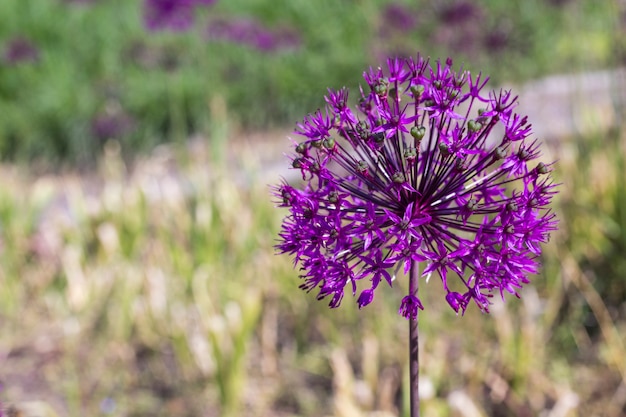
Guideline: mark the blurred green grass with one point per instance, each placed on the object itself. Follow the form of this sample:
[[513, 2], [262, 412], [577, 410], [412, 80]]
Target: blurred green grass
[[97, 63]]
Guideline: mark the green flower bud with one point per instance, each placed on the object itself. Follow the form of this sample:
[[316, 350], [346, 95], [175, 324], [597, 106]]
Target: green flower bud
[[499, 153], [398, 178], [474, 126], [379, 137], [286, 197], [361, 128], [329, 143], [541, 168], [381, 87], [481, 118], [301, 148], [471, 204], [418, 132], [460, 164], [410, 154], [523, 154], [417, 90]]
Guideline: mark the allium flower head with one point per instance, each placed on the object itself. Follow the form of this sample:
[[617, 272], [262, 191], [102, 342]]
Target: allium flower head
[[428, 168]]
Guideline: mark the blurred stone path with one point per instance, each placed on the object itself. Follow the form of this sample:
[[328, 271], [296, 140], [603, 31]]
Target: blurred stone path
[[566, 106]]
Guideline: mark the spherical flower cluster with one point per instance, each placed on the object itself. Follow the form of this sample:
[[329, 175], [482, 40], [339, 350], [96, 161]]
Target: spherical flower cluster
[[428, 169]]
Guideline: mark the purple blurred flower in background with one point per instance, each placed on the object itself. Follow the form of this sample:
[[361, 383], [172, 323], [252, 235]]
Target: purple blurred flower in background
[[176, 15], [19, 50], [111, 123], [252, 33], [84, 2], [497, 39], [395, 31], [459, 12], [462, 24], [398, 17], [429, 169]]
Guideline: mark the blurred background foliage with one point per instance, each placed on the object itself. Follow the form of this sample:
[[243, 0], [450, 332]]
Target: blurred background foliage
[[94, 72], [141, 281]]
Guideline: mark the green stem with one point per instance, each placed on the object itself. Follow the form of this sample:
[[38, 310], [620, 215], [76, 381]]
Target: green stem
[[414, 363]]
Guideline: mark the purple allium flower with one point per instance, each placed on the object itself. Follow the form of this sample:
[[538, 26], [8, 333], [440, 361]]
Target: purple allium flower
[[176, 15], [19, 49], [428, 168]]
